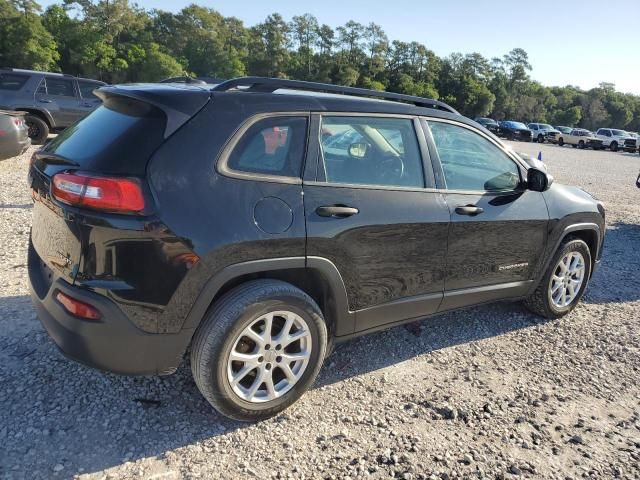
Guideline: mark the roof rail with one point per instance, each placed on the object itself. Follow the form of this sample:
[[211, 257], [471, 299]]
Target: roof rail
[[25, 70], [269, 85]]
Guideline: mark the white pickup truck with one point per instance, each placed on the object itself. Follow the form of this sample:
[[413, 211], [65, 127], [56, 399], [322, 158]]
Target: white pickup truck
[[612, 138]]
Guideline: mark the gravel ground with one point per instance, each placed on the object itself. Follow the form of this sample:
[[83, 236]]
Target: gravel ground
[[488, 392]]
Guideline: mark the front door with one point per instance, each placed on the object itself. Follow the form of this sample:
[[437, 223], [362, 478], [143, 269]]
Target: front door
[[498, 229], [370, 213]]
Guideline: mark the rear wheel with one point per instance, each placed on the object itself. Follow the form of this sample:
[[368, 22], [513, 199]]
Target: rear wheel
[[564, 282], [38, 129], [259, 349], [614, 146]]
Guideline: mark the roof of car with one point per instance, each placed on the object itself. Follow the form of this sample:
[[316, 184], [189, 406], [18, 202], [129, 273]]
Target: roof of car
[[56, 74], [177, 96]]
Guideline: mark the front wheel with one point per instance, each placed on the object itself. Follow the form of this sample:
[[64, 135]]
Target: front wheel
[[258, 349], [564, 282], [614, 146], [561, 141], [540, 139]]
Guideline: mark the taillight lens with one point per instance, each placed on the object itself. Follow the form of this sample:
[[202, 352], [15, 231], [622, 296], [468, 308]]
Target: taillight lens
[[113, 194], [78, 308]]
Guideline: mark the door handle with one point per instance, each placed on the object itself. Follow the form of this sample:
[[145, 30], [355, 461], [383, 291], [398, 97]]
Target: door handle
[[337, 211], [87, 105], [469, 210], [42, 100]]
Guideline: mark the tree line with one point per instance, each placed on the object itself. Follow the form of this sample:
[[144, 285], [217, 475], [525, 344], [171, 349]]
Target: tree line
[[117, 41]]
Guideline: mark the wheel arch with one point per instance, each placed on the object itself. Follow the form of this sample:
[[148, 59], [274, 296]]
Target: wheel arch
[[316, 276], [38, 113], [587, 232]]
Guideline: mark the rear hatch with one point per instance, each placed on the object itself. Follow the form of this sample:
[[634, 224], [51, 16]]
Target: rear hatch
[[116, 140]]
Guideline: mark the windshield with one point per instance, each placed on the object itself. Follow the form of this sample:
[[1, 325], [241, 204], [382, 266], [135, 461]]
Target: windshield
[[544, 126], [516, 125], [486, 121], [619, 133]]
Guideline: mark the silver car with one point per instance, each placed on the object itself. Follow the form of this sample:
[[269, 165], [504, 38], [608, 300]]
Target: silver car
[[14, 134]]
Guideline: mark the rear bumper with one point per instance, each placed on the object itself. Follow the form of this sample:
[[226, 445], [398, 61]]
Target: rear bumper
[[13, 144], [113, 344]]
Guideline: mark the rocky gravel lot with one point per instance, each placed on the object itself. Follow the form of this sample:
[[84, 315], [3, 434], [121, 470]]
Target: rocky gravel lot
[[489, 392]]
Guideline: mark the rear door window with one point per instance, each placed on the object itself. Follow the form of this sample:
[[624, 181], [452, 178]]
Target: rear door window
[[271, 146], [12, 81], [60, 87], [371, 151]]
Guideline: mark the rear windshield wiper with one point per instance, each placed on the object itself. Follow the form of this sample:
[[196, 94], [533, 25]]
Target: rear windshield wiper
[[54, 159]]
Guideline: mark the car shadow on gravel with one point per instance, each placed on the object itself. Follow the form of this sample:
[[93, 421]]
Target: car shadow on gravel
[[618, 278]]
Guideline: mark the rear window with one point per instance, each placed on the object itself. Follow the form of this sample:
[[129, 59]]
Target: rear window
[[12, 81], [118, 137]]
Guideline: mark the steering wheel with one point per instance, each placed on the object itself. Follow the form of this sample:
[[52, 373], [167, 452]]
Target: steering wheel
[[391, 167]]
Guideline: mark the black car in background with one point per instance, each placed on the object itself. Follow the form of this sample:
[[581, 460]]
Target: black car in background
[[255, 223], [488, 123], [512, 130], [51, 101]]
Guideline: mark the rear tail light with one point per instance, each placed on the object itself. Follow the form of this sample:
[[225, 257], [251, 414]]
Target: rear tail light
[[78, 308], [113, 194]]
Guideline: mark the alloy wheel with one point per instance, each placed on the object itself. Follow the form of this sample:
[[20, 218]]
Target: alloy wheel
[[567, 279], [269, 356]]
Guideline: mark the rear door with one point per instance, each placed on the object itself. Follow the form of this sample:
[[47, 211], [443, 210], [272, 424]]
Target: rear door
[[374, 213], [88, 101], [59, 95], [498, 229]]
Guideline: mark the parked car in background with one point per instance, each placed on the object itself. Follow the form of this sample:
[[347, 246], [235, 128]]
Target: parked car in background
[[488, 123], [512, 130], [612, 138], [199, 236], [51, 101], [632, 144], [563, 129], [544, 132], [14, 138], [580, 138]]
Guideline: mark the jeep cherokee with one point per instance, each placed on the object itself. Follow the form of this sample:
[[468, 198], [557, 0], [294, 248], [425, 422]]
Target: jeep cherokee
[[255, 223]]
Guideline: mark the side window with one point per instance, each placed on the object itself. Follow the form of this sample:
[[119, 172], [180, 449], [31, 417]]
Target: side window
[[60, 87], [371, 151], [272, 146], [87, 88], [471, 162], [12, 81]]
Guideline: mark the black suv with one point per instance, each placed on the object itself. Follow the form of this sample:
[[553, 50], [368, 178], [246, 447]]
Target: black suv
[[53, 101], [257, 222]]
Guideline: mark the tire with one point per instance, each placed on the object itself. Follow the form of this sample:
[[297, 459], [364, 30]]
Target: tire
[[561, 141], [38, 129], [614, 146], [574, 146], [581, 144], [540, 302], [540, 139], [222, 331]]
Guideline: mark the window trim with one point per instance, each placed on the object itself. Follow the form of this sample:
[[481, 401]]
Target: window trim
[[222, 165], [425, 157], [437, 165]]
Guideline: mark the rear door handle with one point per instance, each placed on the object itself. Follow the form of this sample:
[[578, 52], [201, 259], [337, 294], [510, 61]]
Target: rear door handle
[[337, 211], [469, 210]]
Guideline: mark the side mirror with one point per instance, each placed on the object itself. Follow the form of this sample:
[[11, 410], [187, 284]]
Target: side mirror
[[538, 181], [358, 150]]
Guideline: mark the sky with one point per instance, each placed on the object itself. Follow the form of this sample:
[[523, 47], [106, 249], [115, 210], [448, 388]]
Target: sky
[[581, 42]]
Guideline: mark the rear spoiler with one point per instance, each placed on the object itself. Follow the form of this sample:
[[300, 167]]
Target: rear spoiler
[[178, 102]]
